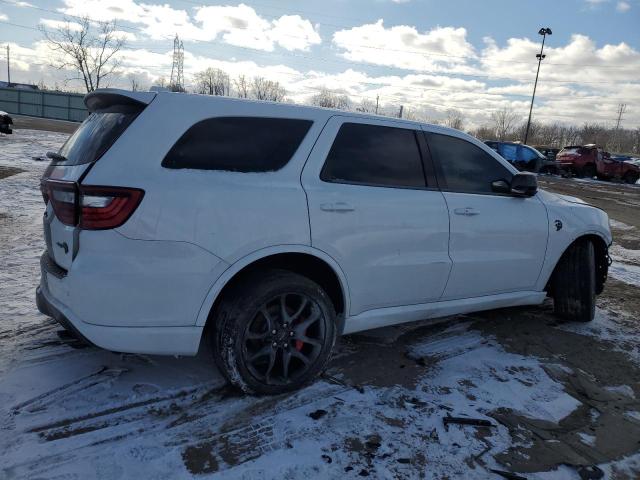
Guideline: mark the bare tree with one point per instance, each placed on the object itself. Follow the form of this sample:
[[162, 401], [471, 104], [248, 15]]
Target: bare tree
[[242, 86], [454, 119], [213, 81], [504, 122], [135, 83], [366, 106], [328, 99], [91, 48], [263, 89]]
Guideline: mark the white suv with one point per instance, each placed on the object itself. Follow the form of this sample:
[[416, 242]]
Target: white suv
[[269, 229]]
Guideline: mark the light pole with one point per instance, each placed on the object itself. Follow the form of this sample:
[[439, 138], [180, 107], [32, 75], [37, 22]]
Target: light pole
[[540, 56]]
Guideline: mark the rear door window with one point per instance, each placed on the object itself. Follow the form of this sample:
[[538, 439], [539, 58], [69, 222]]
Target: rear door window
[[374, 155], [238, 144], [95, 136], [463, 167]]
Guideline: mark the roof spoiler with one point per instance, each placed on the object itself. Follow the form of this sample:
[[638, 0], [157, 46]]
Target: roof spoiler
[[105, 99]]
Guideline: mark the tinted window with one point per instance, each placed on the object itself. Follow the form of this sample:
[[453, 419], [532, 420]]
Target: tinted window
[[463, 167], [527, 154], [238, 144], [94, 137], [374, 155], [508, 151]]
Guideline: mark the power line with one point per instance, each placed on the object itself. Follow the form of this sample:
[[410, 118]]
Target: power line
[[458, 92], [416, 52]]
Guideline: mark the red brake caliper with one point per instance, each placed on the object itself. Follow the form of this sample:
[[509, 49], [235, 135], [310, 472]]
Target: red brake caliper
[[299, 344]]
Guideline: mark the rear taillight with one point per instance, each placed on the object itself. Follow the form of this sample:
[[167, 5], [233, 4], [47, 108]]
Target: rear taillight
[[63, 197], [91, 207], [107, 207]]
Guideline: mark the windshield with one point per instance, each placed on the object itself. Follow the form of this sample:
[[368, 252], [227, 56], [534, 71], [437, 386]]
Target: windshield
[[94, 137]]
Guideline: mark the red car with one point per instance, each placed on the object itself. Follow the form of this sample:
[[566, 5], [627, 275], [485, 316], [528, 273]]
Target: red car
[[592, 160]]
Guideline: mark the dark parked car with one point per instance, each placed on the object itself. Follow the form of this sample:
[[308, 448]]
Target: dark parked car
[[549, 152], [524, 157], [5, 122]]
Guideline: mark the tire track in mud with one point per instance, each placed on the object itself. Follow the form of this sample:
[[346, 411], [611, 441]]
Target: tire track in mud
[[185, 419]]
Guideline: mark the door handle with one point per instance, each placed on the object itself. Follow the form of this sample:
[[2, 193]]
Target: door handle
[[339, 207], [467, 211]]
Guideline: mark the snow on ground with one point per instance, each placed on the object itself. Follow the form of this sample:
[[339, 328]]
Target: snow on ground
[[72, 411], [626, 264]]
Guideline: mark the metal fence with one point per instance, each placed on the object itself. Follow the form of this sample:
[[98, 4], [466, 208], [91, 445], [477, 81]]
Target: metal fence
[[44, 104]]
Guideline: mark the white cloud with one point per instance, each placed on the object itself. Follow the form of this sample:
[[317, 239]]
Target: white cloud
[[238, 25], [623, 6], [402, 46], [293, 32], [18, 3], [579, 60], [56, 24], [127, 36], [3, 17]]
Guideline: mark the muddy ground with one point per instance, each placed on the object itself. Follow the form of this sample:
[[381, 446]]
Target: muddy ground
[[562, 400]]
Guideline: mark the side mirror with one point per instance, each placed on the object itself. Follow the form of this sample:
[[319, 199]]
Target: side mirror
[[524, 184]]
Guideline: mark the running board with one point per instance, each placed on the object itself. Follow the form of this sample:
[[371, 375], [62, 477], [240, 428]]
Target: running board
[[383, 317]]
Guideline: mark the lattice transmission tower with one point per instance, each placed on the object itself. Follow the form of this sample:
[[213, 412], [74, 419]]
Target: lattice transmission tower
[[177, 69]]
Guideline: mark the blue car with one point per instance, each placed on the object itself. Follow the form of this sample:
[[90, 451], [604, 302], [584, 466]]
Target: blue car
[[523, 157]]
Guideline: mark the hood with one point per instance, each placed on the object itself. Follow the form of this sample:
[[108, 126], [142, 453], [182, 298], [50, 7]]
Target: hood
[[571, 199], [567, 198]]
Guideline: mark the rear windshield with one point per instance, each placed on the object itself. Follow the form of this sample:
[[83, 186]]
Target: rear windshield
[[94, 137]]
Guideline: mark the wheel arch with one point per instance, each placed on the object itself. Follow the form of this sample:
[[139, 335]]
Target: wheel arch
[[302, 259], [601, 251]]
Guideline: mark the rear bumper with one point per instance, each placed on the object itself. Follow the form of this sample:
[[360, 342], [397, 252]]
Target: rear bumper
[[149, 340], [45, 307]]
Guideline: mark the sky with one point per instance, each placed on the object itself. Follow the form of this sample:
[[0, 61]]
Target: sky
[[430, 56]]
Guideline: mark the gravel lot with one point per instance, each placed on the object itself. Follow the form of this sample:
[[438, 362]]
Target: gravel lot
[[559, 397]]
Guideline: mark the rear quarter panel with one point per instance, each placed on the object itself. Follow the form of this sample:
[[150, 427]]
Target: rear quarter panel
[[230, 214]]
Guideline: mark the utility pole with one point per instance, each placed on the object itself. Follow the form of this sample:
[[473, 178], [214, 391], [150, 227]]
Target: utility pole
[[540, 56], [622, 108], [377, 100], [8, 67]]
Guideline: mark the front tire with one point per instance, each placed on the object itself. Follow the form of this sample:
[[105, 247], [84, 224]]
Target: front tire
[[574, 283], [589, 171], [275, 333], [631, 177]]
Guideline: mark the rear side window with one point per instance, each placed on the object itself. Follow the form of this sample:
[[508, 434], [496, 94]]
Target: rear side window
[[463, 167], [95, 135], [374, 155], [238, 144]]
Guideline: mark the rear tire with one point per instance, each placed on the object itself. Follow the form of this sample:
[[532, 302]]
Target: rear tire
[[630, 177], [574, 283], [256, 359]]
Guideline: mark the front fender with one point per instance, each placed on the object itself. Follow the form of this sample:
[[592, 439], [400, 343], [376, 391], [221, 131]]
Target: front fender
[[569, 219]]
